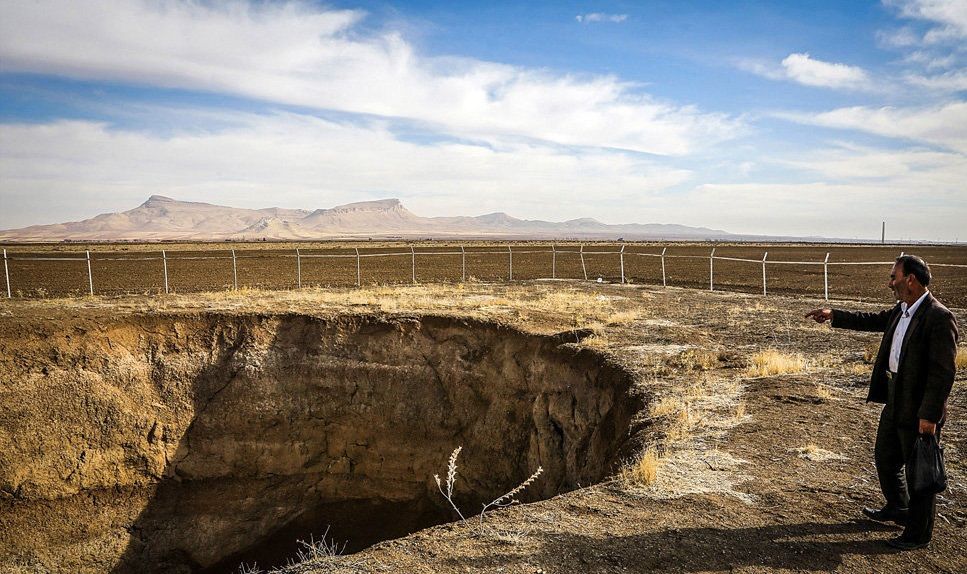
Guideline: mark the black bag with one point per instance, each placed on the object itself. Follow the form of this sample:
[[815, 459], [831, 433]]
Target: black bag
[[926, 470]]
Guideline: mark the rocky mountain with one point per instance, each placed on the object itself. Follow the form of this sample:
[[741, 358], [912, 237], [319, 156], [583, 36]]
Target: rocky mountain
[[161, 218]]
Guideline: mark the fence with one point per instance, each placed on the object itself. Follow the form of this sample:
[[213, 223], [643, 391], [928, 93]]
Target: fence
[[402, 258]]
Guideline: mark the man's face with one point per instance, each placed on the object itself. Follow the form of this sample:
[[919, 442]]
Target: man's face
[[899, 283]]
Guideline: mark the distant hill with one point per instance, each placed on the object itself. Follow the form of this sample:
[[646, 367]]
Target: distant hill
[[161, 218]]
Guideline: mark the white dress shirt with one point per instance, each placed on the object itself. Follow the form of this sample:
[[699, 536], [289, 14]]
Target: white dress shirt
[[901, 331]]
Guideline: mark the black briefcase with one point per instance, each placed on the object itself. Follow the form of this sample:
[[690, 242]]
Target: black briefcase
[[927, 474]]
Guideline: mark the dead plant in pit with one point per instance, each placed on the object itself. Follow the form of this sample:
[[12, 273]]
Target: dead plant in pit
[[502, 501]]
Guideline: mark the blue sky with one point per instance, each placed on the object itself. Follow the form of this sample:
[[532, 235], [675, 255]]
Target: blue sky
[[798, 118]]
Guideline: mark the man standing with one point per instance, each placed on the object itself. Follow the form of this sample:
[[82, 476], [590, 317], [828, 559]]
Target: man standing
[[912, 376]]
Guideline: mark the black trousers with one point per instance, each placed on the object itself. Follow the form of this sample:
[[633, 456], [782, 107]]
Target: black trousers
[[894, 444]]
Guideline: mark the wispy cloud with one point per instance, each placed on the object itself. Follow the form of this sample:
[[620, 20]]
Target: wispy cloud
[[941, 125], [948, 18], [600, 17], [804, 69], [296, 160], [303, 55]]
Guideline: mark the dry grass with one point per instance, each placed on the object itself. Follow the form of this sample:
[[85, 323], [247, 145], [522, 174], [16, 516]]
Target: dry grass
[[642, 471], [961, 359], [772, 362], [823, 393], [870, 352], [698, 359], [740, 411], [666, 406], [856, 369], [813, 453]]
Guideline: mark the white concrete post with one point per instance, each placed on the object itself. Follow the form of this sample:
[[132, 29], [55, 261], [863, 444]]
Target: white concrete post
[[298, 269], [90, 276], [234, 271], [463, 264], [6, 272], [764, 255], [413, 255], [510, 262], [711, 270], [583, 267], [826, 277], [553, 262], [358, 276], [664, 282], [164, 263], [622, 263]]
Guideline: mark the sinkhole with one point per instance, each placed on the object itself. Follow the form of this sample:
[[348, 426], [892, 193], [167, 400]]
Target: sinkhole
[[193, 442]]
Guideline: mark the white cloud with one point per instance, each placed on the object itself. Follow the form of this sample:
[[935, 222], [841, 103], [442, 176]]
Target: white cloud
[[803, 69], [953, 81], [943, 125], [301, 161], [601, 17], [948, 16], [300, 54]]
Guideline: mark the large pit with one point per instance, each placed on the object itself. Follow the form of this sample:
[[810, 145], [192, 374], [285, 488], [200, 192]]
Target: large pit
[[190, 443]]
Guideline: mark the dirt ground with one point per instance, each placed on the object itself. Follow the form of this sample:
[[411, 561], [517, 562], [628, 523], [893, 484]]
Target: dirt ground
[[754, 474]]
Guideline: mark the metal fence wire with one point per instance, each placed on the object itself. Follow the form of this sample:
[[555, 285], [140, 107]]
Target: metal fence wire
[[209, 270]]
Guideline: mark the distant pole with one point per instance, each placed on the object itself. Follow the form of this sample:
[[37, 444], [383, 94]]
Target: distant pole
[[583, 267], [764, 255], [622, 264], [510, 262], [711, 270], [6, 271], [826, 277], [164, 263], [90, 276], [883, 233], [413, 256], [463, 264], [664, 283], [298, 269], [553, 262], [358, 276], [234, 271]]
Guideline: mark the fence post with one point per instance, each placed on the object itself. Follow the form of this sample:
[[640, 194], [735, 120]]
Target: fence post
[[510, 262], [164, 263], [711, 269], [622, 263], [553, 262], [413, 255], [90, 276], [463, 264], [583, 268], [298, 269], [358, 277], [6, 272], [764, 255], [234, 272], [826, 277], [664, 283]]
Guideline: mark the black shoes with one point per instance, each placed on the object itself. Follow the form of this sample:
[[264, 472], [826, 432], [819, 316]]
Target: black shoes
[[900, 543], [887, 514]]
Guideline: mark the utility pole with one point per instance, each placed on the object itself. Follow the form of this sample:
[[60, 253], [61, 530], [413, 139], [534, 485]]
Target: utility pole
[[883, 234]]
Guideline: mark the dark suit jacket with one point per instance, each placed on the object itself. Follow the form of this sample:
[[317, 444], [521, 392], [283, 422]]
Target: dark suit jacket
[[927, 359]]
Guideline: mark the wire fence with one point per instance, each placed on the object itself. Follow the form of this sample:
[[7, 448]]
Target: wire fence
[[41, 274]]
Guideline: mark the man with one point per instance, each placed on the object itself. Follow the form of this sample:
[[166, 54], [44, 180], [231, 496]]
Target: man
[[912, 376]]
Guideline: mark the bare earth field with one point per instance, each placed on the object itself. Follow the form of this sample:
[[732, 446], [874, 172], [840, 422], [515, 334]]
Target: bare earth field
[[194, 267], [753, 471]]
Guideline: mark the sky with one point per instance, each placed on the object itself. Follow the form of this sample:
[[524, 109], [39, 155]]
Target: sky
[[777, 118]]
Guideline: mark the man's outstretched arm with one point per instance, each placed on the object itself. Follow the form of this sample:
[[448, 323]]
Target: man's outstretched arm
[[856, 321]]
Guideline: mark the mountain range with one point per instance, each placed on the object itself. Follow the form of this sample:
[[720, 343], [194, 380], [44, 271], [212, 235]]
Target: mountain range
[[162, 218]]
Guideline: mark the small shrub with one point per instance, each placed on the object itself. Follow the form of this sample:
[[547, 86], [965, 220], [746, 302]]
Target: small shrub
[[642, 471], [698, 359], [870, 352], [823, 393], [961, 359], [773, 362], [740, 411]]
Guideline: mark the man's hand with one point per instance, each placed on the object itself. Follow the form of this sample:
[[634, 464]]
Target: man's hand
[[927, 427], [820, 315]]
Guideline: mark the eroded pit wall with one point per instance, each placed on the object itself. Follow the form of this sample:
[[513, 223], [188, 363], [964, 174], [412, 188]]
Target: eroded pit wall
[[185, 443]]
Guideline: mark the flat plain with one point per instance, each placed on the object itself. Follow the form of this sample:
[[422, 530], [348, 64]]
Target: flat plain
[[855, 271]]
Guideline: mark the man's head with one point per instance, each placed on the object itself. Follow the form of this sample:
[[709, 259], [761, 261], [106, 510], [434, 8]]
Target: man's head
[[909, 278]]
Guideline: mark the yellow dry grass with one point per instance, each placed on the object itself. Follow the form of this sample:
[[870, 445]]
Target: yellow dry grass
[[642, 471], [961, 359], [823, 393], [771, 362], [698, 359], [814, 453], [869, 353]]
